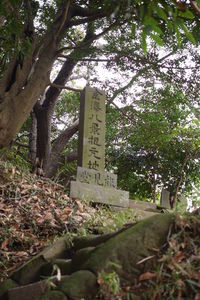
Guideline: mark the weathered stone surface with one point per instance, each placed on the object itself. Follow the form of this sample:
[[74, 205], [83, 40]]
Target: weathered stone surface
[[91, 143], [52, 295], [80, 257], [80, 285], [30, 271], [5, 286], [63, 264], [95, 193], [141, 205], [91, 240], [165, 199], [57, 250], [96, 177], [143, 214], [28, 292], [130, 246]]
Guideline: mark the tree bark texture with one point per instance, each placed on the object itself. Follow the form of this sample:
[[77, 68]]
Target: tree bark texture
[[58, 146], [180, 178], [33, 138], [18, 91]]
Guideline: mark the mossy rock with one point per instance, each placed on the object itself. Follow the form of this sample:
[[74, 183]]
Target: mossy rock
[[94, 240], [30, 271], [53, 295], [80, 285], [59, 249], [80, 257], [5, 286], [63, 264], [90, 241], [122, 252]]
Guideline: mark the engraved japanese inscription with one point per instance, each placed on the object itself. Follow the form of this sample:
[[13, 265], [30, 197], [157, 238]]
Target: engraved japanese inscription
[[92, 130]]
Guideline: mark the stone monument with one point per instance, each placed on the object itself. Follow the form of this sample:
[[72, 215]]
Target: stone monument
[[93, 183], [165, 199]]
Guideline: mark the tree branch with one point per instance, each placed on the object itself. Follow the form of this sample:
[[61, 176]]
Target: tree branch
[[89, 59], [58, 86], [130, 83], [195, 6]]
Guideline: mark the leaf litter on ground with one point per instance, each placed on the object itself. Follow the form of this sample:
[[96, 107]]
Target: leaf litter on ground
[[33, 211]]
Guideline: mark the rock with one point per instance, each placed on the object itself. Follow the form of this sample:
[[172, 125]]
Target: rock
[[63, 264], [91, 240], [30, 271], [122, 252], [28, 292], [59, 249], [143, 214], [52, 295], [141, 205], [80, 285], [5, 286], [80, 257]]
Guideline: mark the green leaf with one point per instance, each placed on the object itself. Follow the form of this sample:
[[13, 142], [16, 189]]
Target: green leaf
[[188, 34], [178, 35], [144, 43], [186, 14], [153, 23], [161, 13], [133, 29], [170, 26], [157, 39]]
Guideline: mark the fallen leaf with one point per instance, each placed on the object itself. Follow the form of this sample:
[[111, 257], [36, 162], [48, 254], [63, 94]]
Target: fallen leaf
[[179, 256], [4, 244], [147, 276]]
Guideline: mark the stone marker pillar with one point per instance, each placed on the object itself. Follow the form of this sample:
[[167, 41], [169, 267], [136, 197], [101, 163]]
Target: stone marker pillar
[[93, 182], [165, 199], [91, 147]]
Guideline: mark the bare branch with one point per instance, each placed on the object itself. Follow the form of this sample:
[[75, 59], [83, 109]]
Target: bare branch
[[21, 144], [195, 6], [77, 22], [89, 59], [58, 86], [139, 73], [90, 40]]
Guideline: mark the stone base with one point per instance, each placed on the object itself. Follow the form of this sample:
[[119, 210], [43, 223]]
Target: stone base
[[99, 194], [142, 205]]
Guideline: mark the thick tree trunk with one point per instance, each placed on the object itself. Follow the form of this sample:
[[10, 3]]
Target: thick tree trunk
[[44, 114], [179, 181], [59, 145], [33, 138], [43, 145], [19, 91]]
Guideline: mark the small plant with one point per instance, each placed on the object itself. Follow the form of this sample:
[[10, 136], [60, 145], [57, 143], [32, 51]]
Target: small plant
[[109, 285]]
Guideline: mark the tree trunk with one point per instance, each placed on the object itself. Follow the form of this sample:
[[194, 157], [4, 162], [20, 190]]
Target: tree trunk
[[18, 90], [44, 113], [33, 138], [179, 181], [59, 145]]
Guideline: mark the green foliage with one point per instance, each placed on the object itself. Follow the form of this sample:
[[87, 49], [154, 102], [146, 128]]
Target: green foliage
[[14, 158], [109, 285], [105, 220], [152, 150]]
